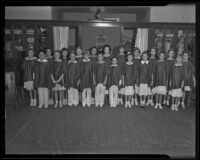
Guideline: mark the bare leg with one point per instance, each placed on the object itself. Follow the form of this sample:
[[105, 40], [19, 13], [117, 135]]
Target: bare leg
[[61, 97], [31, 97], [56, 98]]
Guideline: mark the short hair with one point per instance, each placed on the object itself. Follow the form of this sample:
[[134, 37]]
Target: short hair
[[100, 52], [121, 46], [94, 47], [47, 49], [106, 46], [136, 49], [187, 52], [41, 50], [145, 52], [30, 49], [114, 57]]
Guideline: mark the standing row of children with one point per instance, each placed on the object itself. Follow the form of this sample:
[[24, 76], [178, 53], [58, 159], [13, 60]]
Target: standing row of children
[[124, 78]]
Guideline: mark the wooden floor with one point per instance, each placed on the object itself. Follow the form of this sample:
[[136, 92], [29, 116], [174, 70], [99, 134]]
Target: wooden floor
[[30, 130]]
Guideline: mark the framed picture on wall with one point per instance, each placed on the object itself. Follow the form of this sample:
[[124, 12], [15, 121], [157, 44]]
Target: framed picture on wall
[[101, 41]]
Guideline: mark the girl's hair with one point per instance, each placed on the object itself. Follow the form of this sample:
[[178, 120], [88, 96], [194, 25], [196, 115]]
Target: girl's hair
[[30, 49], [107, 46], [187, 52], [47, 49], [64, 49], [100, 52], [93, 47], [145, 52], [129, 54], [87, 52], [114, 57], [136, 49], [41, 50], [56, 51], [121, 46]]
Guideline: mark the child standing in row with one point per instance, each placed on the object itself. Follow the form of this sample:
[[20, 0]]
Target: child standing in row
[[176, 82], [42, 79], [86, 79], [72, 80], [144, 78], [130, 76], [189, 79], [160, 79], [114, 79], [169, 63], [57, 77], [64, 54], [136, 61], [100, 79], [121, 61], [49, 57], [152, 61], [28, 67]]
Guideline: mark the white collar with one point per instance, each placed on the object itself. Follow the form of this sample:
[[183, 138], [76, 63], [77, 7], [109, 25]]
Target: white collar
[[72, 61], [79, 56], [106, 55], [129, 63], [86, 60], [57, 60], [114, 65], [121, 54], [27, 58], [145, 62], [44, 60], [49, 57]]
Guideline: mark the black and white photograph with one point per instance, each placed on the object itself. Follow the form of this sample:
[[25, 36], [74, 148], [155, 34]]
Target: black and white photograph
[[100, 80]]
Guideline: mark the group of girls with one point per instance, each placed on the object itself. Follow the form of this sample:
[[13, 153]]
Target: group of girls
[[97, 77]]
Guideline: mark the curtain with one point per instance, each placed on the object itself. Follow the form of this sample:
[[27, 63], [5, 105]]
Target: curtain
[[60, 37], [142, 39]]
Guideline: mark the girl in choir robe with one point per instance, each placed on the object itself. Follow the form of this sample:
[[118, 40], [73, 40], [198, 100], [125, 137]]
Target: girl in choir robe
[[176, 82], [73, 80], [49, 57], [100, 72], [136, 60], [28, 67], [121, 62], [130, 78], [160, 80], [169, 63], [65, 55], [93, 57], [114, 80], [189, 79], [86, 81], [144, 78], [42, 79], [152, 61], [107, 59], [57, 78]]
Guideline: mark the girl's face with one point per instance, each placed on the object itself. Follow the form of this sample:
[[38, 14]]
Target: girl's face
[[86, 56], [130, 58], [30, 53], [144, 57], [162, 56], [121, 50], [48, 52], [72, 56], [153, 52], [171, 54], [185, 56], [78, 52], [100, 57], [57, 55], [64, 53], [106, 50], [136, 53], [114, 61], [41, 55], [94, 51]]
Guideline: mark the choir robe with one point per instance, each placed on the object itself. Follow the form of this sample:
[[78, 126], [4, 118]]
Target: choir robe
[[57, 69], [160, 76], [79, 59], [49, 59], [28, 68], [176, 76], [144, 73], [72, 74], [100, 71], [114, 75], [152, 62], [188, 73], [42, 72], [130, 73], [136, 61], [169, 64], [65, 65], [86, 80], [108, 60]]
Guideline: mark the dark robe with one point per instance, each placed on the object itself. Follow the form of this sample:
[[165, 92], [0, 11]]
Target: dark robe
[[100, 71], [28, 67], [86, 80], [160, 76], [144, 73], [130, 73], [42, 72], [188, 73], [114, 76]]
